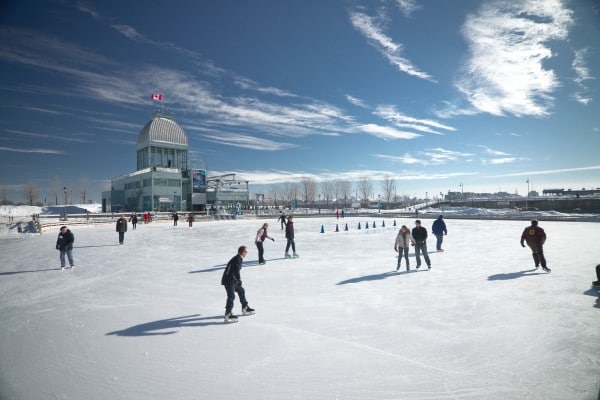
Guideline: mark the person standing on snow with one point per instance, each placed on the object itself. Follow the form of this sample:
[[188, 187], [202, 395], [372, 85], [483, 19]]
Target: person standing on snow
[[232, 281], [133, 220], [190, 220], [535, 238], [420, 241], [439, 230], [403, 240], [261, 235], [64, 243], [289, 235], [175, 218], [121, 228]]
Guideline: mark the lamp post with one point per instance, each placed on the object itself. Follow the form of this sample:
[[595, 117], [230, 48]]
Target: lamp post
[[65, 213], [527, 198], [461, 191]]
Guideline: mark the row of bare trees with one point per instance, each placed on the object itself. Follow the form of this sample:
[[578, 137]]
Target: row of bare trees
[[308, 191], [54, 193]]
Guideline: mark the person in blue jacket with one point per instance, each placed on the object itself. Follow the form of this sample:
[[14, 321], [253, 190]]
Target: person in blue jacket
[[64, 244], [439, 230]]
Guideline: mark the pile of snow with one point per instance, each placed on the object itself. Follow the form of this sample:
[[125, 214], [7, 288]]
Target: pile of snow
[[28, 211], [500, 212], [145, 320]]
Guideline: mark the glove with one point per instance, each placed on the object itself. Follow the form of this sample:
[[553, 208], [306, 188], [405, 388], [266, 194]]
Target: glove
[[272, 239], [57, 247], [395, 249], [522, 245]]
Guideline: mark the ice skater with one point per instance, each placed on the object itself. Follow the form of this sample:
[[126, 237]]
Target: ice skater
[[535, 238], [282, 220], [134, 221], [419, 235], [121, 228], [232, 280], [175, 218], [289, 235], [403, 240], [64, 243], [190, 220], [439, 230], [261, 235]]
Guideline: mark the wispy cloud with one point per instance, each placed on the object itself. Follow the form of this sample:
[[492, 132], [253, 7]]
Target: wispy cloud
[[582, 74], [509, 44], [356, 101], [407, 6], [247, 142], [400, 120], [87, 8], [492, 152], [435, 156], [46, 136], [249, 84], [392, 51], [41, 151], [386, 132], [502, 160]]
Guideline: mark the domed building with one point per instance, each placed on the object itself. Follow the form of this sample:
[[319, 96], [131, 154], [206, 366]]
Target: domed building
[[161, 181]]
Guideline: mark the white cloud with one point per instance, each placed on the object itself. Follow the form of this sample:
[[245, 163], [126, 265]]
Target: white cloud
[[407, 6], [386, 132], [498, 161], [582, 74], [41, 151], [551, 171], [435, 156], [508, 41], [405, 159], [391, 114], [492, 152], [249, 84], [385, 45], [356, 101], [247, 142]]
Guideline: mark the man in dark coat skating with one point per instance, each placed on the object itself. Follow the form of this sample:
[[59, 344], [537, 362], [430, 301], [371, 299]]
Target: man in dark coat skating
[[535, 238], [232, 280], [121, 228], [419, 235], [64, 243]]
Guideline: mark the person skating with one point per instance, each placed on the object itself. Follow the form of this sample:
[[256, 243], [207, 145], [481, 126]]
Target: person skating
[[64, 243], [439, 230], [190, 220], [261, 235], [232, 280], [419, 235], [403, 240], [289, 235], [535, 238], [121, 228], [134, 221], [175, 218], [282, 220]]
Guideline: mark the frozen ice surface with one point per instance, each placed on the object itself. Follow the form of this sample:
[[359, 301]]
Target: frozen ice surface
[[145, 320]]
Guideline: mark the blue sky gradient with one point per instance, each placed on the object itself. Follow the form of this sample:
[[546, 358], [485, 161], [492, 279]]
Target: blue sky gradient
[[434, 93]]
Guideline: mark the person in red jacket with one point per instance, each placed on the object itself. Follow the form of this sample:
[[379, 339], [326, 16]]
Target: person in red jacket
[[535, 238]]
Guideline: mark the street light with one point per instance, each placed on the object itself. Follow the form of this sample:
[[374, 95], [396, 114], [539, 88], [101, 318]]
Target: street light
[[461, 191], [65, 213], [527, 198]]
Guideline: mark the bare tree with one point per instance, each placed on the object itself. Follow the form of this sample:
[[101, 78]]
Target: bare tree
[[55, 189], [388, 186], [344, 188], [365, 188], [290, 191], [4, 190], [84, 187], [308, 188], [328, 189], [30, 191], [275, 192]]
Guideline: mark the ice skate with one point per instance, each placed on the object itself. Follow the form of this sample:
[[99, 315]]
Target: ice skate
[[295, 255], [248, 311], [230, 318], [287, 255]]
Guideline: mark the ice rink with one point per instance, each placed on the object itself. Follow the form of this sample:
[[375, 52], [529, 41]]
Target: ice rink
[[145, 320]]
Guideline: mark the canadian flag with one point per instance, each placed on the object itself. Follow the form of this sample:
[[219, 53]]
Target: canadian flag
[[156, 96]]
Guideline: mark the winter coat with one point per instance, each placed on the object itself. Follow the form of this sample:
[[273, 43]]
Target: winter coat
[[289, 230], [65, 241], [534, 236], [261, 235], [232, 271], [134, 219], [121, 225], [419, 235], [403, 240], [439, 227]]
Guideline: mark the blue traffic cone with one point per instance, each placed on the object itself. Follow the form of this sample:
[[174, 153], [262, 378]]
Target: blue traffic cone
[[337, 229], [359, 225], [394, 222], [346, 228], [367, 225], [383, 224], [374, 226], [322, 229]]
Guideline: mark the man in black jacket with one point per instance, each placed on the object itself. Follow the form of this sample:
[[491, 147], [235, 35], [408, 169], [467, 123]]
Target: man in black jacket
[[121, 228], [535, 238], [64, 243], [419, 235], [232, 281]]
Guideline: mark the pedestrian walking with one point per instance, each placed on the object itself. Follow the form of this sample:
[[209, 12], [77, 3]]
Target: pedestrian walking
[[535, 238], [439, 230], [261, 235], [401, 245], [232, 280], [419, 235], [121, 228], [134, 221], [190, 220], [289, 235], [64, 244]]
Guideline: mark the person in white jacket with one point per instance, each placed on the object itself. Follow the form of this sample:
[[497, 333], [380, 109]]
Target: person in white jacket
[[403, 240]]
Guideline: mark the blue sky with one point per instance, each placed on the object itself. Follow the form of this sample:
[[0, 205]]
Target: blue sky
[[434, 93]]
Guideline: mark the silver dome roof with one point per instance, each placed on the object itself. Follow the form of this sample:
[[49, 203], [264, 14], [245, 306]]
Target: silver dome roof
[[162, 130]]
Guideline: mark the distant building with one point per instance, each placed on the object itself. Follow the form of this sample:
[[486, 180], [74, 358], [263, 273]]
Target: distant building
[[162, 180]]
